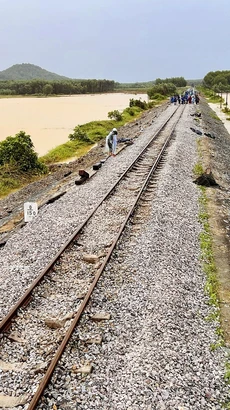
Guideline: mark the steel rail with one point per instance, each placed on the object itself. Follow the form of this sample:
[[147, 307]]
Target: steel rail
[[6, 321], [85, 301]]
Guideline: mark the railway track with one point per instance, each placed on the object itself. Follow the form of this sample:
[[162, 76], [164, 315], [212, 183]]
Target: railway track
[[66, 284]]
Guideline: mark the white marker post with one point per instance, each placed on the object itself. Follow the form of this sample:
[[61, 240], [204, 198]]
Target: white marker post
[[30, 211]]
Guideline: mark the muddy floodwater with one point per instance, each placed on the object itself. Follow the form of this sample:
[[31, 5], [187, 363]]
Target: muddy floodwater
[[49, 121]]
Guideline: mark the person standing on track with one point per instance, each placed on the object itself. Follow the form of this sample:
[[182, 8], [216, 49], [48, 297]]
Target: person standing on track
[[111, 142]]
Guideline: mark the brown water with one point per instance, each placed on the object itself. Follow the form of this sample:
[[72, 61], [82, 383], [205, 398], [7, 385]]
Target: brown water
[[49, 121]]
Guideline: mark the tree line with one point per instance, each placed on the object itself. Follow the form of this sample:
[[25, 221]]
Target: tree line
[[218, 81], [44, 87], [177, 81], [162, 89]]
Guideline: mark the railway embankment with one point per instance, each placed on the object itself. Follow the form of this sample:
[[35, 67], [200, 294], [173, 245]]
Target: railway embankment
[[155, 347]]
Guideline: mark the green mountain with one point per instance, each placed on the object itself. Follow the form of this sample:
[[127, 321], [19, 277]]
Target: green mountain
[[29, 72]]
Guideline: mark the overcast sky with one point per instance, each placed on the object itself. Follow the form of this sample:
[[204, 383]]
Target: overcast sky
[[123, 40]]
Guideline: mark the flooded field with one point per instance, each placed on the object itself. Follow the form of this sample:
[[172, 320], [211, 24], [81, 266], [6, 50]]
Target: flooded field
[[49, 121]]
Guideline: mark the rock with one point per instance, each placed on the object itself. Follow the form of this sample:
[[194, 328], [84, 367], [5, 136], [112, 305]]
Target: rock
[[57, 323], [68, 316], [16, 338], [101, 316], [54, 323], [17, 367], [90, 258], [206, 179], [95, 340], [80, 295], [9, 402], [86, 369], [40, 367]]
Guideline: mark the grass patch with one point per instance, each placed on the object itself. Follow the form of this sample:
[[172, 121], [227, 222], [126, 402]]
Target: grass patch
[[209, 267], [158, 98], [226, 110], [8, 185], [227, 374], [198, 169], [11, 180], [210, 95], [207, 257], [215, 99], [65, 151]]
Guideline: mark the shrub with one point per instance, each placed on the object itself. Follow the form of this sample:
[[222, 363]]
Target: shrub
[[116, 115], [138, 103], [130, 111], [151, 104], [19, 151], [79, 135], [163, 89], [158, 97]]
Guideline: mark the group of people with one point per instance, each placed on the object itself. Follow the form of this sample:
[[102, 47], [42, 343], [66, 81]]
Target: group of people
[[189, 97]]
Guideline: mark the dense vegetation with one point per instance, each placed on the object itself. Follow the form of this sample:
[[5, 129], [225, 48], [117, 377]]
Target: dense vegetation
[[42, 87], [29, 72], [162, 90], [18, 162], [19, 152], [177, 81], [134, 86], [218, 81]]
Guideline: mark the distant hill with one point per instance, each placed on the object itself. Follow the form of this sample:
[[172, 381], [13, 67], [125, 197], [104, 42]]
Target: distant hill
[[27, 71]]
